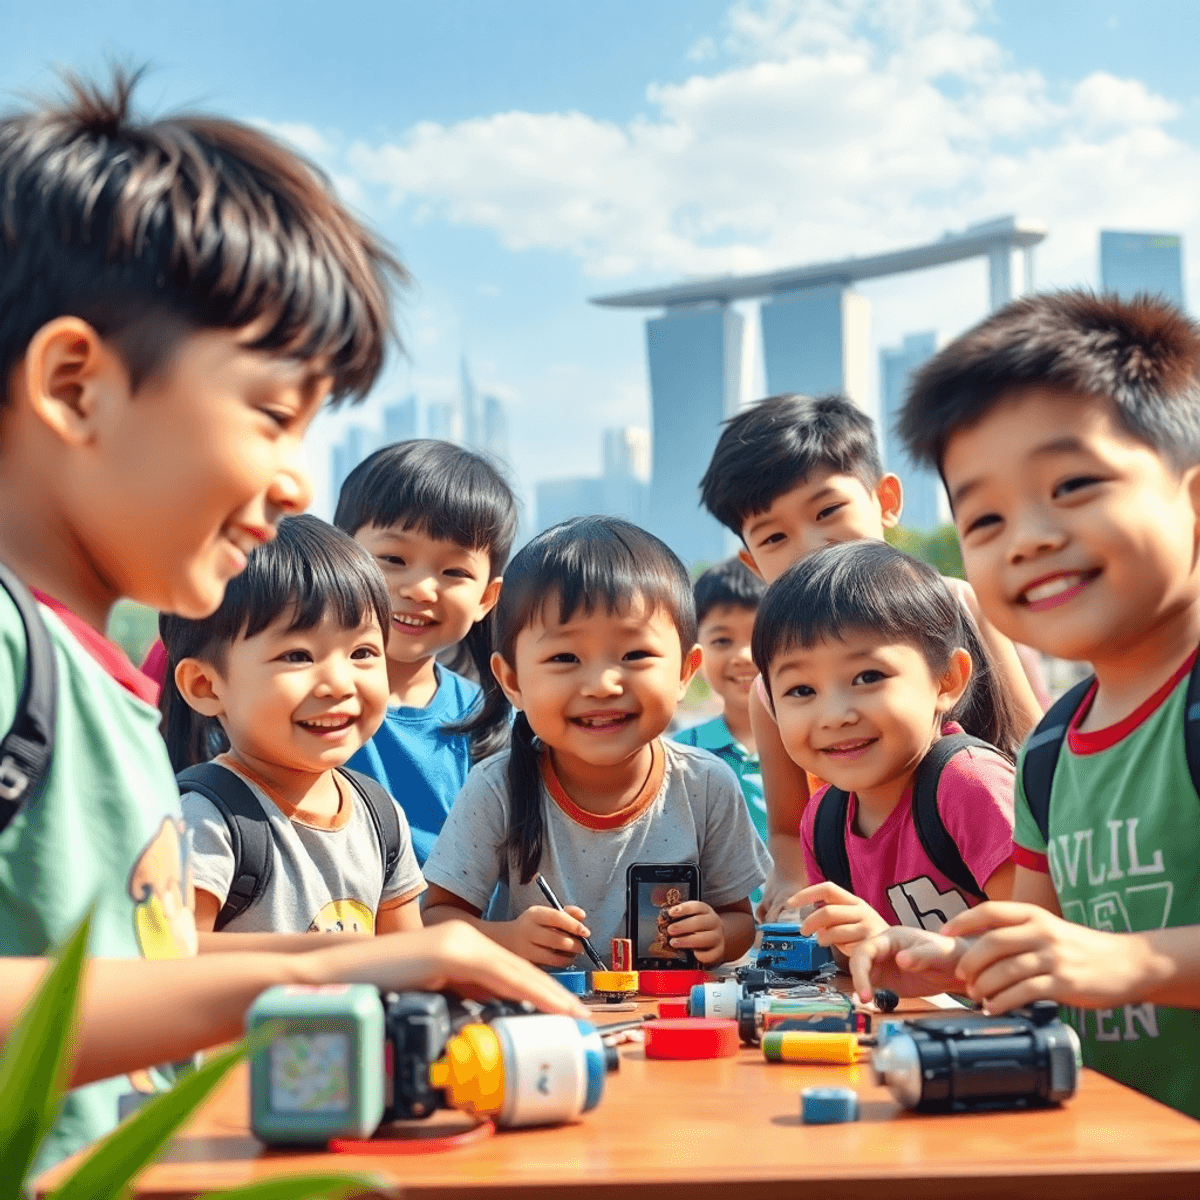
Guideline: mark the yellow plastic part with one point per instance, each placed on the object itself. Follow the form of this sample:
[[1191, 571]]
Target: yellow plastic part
[[614, 981], [472, 1073], [799, 1046]]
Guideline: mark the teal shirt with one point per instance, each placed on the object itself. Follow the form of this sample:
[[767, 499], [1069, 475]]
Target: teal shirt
[[715, 737], [105, 827]]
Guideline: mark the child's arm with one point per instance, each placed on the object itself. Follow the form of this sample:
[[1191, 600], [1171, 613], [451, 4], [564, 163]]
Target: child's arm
[[785, 793], [138, 1012], [714, 935], [399, 918], [540, 934]]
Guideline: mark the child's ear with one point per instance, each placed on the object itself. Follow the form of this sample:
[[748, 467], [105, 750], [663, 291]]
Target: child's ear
[[691, 663], [491, 594], [747, 561], [200, 685], [506, 677], [954, 680], [67, 375], [889, 491]]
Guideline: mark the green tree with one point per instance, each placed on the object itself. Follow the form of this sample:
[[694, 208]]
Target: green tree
[[939, 548]]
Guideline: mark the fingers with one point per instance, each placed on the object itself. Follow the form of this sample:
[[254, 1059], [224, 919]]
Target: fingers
[[821, 893], [993, 915], [575, 911], [862, 964], [552, 918], [512, 978]]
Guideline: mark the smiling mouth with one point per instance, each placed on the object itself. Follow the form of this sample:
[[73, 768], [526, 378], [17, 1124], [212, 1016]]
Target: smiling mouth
[[1057, 589], [411, 621], [603, 720], [330, 724], [849, 748]]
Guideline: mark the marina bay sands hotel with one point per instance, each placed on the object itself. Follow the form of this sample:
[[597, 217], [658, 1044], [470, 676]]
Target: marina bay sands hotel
[[815, 339]]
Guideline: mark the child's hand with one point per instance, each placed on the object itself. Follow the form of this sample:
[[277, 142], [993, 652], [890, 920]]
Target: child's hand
[[546, 936], [778, 895], [842, 920], [912, 962], [1026, 953], [697, 927]]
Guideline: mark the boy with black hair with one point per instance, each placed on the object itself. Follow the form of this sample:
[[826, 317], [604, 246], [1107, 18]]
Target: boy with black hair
[[727, 598], [177, 299], [1067, 429], [789, 475]]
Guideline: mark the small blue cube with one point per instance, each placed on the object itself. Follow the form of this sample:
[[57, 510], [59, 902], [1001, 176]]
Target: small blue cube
[[828, 1105]]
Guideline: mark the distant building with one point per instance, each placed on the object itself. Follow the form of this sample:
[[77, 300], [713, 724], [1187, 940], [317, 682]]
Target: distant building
[[1142, 262], [922, 487], [621, 491], [355, 445], [627, 453], [560, 499], [400, 421], [495, 430], [441, 422]]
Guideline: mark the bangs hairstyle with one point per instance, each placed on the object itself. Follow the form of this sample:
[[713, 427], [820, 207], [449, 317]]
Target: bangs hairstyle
[[150, 231], [588, 564], [871, 588], [776, 444], [309, 570], [1140, 356], [730, 584], [437, 488]]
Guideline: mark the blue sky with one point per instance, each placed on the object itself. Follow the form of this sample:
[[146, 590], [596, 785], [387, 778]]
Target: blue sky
[[527, 154]]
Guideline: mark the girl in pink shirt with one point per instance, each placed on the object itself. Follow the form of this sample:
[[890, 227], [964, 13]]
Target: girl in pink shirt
[[869, 661]]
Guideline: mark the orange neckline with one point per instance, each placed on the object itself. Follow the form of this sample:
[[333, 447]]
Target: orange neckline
[[623, 816], [339, 820]]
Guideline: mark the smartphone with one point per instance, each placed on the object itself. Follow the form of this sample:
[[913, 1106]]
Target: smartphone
[[651, 889]]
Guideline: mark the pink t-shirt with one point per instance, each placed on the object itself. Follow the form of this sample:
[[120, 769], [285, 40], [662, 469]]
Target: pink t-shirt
[[891, 871]]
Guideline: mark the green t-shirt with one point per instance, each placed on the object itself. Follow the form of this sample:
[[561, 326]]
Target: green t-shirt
[[1124, 855], [104, 827]]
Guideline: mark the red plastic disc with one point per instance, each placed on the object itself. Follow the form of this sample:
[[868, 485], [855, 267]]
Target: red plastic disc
[[672, 1008], [669, 983], [691, 1037]]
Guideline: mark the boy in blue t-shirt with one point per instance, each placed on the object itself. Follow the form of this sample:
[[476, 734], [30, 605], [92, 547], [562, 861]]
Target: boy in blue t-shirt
[[1067, 429], [727, 597], [441, 522], [177, 300]]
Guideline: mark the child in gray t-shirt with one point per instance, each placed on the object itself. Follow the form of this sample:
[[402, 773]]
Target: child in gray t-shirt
[[596, 643], [289, 676]]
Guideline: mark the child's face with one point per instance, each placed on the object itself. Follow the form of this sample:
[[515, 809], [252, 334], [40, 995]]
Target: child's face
[[601, 687], [1077, 538], [826, 508], [174, 486], [438, 589], [727, 666], [305, 700], [860, 714]]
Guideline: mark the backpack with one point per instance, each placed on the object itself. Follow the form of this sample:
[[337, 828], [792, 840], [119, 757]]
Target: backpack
[[26, 748], [829, 827], [1044, 743], [250, 835]]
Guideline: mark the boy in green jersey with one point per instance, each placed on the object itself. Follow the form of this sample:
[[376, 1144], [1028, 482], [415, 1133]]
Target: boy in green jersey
[[1067, 429], [177, 300]]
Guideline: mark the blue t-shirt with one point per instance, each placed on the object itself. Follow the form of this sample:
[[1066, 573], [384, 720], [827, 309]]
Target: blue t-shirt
[[422, 767]]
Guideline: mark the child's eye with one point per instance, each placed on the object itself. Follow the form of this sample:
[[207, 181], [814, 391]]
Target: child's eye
[[296, 656], [392, 560], [773, 539], [828, 512], [1074, 484], [458, 573], [981, 523], [801, 690], [565, 657], [721, 643], [365, 652], [869, 676], [637, 655]]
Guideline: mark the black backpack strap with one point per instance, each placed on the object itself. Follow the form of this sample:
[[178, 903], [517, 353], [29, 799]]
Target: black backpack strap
[[26, 748], [940, 848], [384, 817], [1041, 753], [829, 837], [249, 833], [1191, 726]]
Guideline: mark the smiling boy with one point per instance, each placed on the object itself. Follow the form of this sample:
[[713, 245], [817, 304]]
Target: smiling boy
[[1067, 429]]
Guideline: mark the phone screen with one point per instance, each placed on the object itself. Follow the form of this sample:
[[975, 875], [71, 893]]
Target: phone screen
[[654, 899]]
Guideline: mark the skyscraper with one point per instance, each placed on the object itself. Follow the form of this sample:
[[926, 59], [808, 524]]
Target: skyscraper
[[355, 445], [400, 421], [922, 487], [1142, 262], [440, 421], [621, 491], [495, 430]]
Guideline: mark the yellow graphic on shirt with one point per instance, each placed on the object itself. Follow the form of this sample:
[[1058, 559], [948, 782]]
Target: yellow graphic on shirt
[[164, 915], [344, 916]]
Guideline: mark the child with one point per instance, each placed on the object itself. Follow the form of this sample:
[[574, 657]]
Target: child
[[789, 475], [177, 299], [290, 669], [1067, 429], [441, 522], [726, 597], [871, 663], [596, 641]]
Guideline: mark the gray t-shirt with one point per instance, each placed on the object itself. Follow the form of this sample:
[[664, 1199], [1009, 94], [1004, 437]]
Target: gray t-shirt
[[322, 879], [692, 811]]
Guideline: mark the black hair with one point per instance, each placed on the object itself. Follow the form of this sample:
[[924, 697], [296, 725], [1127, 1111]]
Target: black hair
[[774, 445], [873, 588], [150, 231], [1140, 357], [730, 584], [452, 495], [308, 570], [585, 564]]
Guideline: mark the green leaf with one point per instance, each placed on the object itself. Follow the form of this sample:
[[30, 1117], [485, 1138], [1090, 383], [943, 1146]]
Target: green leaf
[[309, 1187], [112, 1166], [34, 1066]]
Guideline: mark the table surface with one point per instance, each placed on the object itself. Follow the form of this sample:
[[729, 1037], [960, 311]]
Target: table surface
[[732, 1127]]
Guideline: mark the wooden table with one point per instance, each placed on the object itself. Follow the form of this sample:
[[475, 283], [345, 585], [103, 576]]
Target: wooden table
[[730, 1129]]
